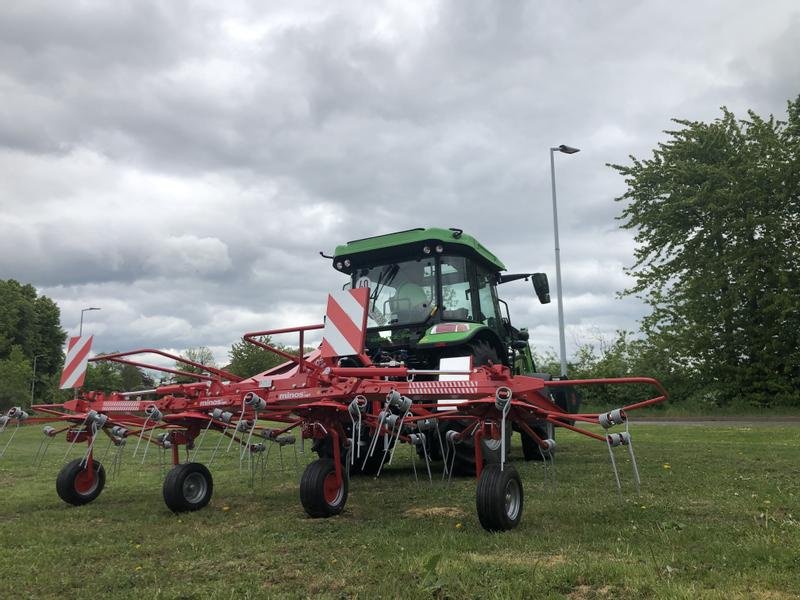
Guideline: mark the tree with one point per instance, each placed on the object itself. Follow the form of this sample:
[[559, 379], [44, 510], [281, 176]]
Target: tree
[[32, 323], [248, 359], [103, 376], [716, 212], [110, 376], [15, 379], [201, 355]]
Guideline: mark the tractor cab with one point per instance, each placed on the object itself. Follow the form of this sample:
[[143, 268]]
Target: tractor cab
[[433, 293]]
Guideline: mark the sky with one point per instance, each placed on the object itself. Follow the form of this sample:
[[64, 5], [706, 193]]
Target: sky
[[181, 164]]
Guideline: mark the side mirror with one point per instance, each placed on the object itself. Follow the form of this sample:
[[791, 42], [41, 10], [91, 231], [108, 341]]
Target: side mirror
[[541, 287]]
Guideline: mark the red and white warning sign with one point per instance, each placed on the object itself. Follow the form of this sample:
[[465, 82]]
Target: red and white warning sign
[[74, 372], [345, 323]]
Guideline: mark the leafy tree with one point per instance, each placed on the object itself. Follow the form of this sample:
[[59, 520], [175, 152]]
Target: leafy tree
[[32, 323], [716, 212], [103, 376], [109, 376], [248, 359], [201, 355], [15, 379]]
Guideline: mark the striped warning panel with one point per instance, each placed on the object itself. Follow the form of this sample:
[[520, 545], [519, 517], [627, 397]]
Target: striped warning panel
[[74, 372], [345, 323]]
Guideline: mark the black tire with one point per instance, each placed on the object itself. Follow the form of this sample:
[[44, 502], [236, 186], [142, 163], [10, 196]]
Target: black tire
[[319, 494], [75, 485], [188, 487], [530, 449], [499, 498], [464, 463], [324, 449]]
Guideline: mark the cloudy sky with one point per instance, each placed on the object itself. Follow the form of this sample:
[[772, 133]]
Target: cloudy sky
[[180, 164]]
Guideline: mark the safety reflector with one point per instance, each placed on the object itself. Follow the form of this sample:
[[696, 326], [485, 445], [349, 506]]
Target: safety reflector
[[74, 372], [345, 323]]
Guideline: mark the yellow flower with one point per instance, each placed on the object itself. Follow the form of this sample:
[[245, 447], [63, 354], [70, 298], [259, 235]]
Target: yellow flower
[[226, 508], [138, 568], [667, 466], [459, 525]]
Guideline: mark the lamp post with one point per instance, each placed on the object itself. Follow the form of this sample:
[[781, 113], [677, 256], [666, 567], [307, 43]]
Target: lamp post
[[83, 310], [562, 343], [33, 379]]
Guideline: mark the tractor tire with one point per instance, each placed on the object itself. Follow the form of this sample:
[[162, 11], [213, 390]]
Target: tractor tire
[[77, 486], [188, 487], [482, 354], [324, 449], [499, 498], [319, 494], [530, 449]]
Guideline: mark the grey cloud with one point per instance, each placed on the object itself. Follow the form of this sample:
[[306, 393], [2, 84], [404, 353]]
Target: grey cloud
[[182, 163]]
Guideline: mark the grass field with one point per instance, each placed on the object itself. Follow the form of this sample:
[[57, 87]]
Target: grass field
[[718, 517]]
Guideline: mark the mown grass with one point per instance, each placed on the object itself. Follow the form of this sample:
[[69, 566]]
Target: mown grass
[[717, 517]]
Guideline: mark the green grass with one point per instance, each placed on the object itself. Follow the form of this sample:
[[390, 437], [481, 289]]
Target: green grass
[[718, 517]]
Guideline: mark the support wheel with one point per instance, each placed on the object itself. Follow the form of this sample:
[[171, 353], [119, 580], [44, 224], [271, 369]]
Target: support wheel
[[77, 485], [320, 493], [188, 487], [499, 498]]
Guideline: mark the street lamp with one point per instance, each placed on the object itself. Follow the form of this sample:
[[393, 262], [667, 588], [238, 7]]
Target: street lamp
[[33, 379], [80, 330], [562, 343]]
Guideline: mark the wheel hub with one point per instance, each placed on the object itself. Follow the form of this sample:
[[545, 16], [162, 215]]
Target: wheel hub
[[86, 482], [512, 499], [332, 489], [194, 487]]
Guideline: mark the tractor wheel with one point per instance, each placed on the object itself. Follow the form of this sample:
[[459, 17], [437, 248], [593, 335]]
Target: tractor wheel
[[482, 354], [320, 494], [324, 449], [188, 487], [499, 498], [77, 485], [530, 449]]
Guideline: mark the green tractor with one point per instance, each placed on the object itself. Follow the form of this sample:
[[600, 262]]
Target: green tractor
[[434, 296]]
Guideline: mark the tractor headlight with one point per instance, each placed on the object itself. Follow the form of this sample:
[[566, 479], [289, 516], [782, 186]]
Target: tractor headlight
[[339, 265], [439, 248], [426, 249], [346, 262]]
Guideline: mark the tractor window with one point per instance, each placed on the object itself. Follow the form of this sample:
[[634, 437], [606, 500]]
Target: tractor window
[[486, 298], [400, 293], [456, 300]]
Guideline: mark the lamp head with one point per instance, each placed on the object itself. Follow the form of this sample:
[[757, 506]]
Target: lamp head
[[567, 149]]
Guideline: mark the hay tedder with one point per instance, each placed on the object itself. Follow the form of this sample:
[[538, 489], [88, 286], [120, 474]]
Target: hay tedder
[[414, 350]]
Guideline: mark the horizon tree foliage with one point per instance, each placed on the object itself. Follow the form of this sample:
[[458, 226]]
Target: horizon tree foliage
[[248, 359], [108, 376], [199, 354], [716, 211], [29, 328]]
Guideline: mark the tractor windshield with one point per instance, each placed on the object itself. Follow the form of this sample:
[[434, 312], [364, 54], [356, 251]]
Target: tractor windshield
[[468, 292], [400, 293]]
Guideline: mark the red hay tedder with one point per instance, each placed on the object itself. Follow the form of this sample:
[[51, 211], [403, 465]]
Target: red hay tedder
[[354, 398]]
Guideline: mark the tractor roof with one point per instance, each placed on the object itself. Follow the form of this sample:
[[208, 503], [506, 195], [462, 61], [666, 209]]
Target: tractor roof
[[382, 247]]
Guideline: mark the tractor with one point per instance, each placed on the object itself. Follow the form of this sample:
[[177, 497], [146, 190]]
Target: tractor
[[433, 297]]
